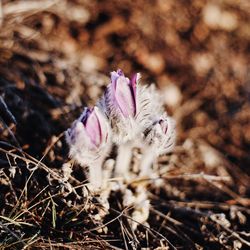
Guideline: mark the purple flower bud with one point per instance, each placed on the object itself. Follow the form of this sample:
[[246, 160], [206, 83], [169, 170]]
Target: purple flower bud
[[123, 93], [161, 136], [89, 141], [94, 125], [159, 139], [131, 108], [89, 135]]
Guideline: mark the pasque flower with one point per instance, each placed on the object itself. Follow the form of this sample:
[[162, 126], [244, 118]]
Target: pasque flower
[[130, 108], [89, 141], [123, 93], [159, 139], [134, 113], [162, 135]]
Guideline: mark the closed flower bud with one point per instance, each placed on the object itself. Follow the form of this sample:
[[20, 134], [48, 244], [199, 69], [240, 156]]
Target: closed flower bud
[[131, 109], [158, 139], [123, 94], [161, 136], [129, 106], [89, 141], [90, 132]]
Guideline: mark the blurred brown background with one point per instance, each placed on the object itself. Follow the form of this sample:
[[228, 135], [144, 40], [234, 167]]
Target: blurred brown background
[[197, 52], [56, 56]]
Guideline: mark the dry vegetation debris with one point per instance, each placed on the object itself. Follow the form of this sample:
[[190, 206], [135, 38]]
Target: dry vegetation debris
[[54, 58]]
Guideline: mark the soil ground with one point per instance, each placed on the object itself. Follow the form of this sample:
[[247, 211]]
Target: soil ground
[[55, 58]]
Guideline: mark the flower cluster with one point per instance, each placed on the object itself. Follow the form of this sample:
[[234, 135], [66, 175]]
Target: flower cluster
[[127, 115]]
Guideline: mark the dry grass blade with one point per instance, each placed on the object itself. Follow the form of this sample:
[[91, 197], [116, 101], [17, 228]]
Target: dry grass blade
[[22, 8]]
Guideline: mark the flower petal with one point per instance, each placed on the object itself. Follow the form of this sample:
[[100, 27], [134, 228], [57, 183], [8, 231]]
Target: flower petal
[[124, 97], [84, 116], [104, 126], [134, 81], [164, 125], [93, 129], [114, 76]]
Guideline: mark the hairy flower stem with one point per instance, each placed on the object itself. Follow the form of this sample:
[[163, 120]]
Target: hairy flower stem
[[147, 160], [95, 175], [123, 159]]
